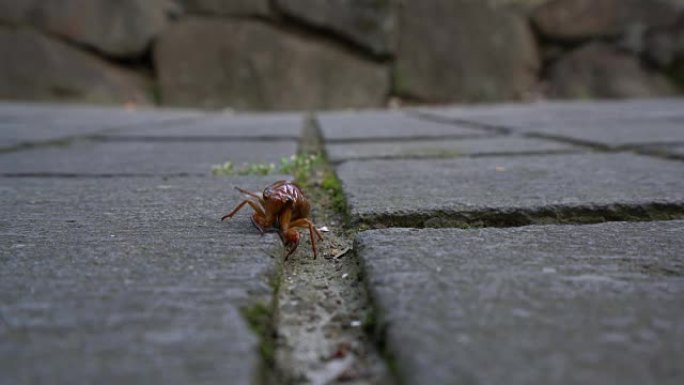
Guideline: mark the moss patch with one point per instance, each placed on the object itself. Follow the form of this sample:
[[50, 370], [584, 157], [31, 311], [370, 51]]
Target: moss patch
[[259, 317]]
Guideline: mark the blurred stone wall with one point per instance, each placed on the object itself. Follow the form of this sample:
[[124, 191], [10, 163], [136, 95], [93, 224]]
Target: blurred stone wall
[[318, 54]]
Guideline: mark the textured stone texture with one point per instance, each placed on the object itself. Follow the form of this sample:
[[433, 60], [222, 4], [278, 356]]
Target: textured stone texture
[[373, 125], [260, 67], [531, 305], [581, 19], [118, 28], [35, 67], [26, 124], [143, 157], [519, 115], [598, 70], [461, 50], [369, 23], [526, 189], [128, 281], [664, 47], [675, 151], [227, 7], [443, 148], [615, 134], [223, 126], [610, 124]]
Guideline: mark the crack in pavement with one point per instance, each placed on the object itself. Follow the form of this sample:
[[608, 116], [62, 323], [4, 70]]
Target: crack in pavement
[[322, 312]]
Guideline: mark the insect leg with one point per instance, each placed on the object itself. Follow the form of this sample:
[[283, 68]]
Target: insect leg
[[255, 205], [305, 223]]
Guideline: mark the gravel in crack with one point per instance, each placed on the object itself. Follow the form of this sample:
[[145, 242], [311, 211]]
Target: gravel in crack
[[322, 307]]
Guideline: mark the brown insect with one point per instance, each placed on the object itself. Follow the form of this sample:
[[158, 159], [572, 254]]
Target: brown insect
[[283, 208]]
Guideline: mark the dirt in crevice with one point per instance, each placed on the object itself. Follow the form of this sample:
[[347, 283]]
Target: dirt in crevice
[[322, 306], [322, 310]]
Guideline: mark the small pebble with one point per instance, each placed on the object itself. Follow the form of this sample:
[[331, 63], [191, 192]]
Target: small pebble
[[345, 275], [355, 323]]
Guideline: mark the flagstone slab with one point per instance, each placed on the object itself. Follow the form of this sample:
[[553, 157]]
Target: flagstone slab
[[606, 124], [446, 148], [384, 125], [25, 124], [129, 280], [530, 305], [220, 126], [504, 191], [652, 108], [142, 157]]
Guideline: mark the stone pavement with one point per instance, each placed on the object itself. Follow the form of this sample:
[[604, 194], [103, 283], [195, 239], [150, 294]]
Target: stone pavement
[[559, 258], [557, 300], [114, 267]]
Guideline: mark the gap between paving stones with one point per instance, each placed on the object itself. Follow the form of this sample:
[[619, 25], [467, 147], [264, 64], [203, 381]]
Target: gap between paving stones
[[463, 122], [408, 138], [449, 156], [189, 138], [502, 130], [96, 176], [91, 136], [515, 217], [321, 309]]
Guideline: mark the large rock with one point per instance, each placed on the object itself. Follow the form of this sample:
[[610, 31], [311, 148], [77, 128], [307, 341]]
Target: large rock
[[665, 47], [597, 70], [118, 28], [460, 50], [249, 65], [228, 7], [35, 67], [581, 19], [368, 23]]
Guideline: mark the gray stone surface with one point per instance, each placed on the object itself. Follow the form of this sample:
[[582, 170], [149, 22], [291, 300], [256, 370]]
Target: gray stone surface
[[665, 47], [573, 20], [609, 124], [30, 123], [128, 281], [513, 114], [369, 23], [615, 134], [531, 305], [530, 189], [37, 67], [224, 126], [246, 71], [227, 7], [444, 148], [142, 157], [598, 70], [118, 28], [675, 151], [373, 125], [463, 50]]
